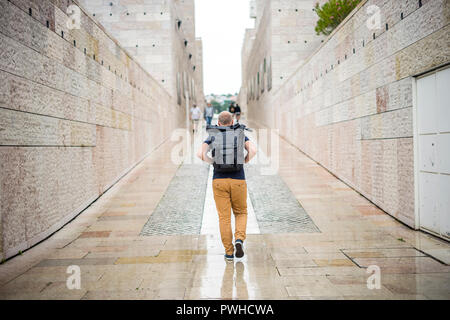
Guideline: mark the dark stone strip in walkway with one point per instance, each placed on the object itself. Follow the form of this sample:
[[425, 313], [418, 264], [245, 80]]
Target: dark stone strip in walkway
[[276, 208], [180, 210]]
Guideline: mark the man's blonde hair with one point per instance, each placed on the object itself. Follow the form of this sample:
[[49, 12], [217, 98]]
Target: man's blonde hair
[[225, 118]]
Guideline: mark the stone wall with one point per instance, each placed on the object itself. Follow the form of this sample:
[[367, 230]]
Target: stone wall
[[293, 37], [257, 58], [249, 38], [284, 38], [76, 114], [142, 28], [199, 76], [160, 35], [349, 105]]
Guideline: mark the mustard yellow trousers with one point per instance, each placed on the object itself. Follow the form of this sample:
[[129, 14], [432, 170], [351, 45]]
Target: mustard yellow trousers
[[231, 194]]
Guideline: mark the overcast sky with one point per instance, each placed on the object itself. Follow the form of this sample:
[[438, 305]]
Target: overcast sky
[[221, 24]]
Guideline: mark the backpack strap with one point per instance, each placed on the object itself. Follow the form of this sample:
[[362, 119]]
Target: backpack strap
[[233, 127]]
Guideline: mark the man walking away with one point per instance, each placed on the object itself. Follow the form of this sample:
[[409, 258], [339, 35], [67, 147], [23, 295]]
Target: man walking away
[[229, 185], [195, 117], [209, 114]]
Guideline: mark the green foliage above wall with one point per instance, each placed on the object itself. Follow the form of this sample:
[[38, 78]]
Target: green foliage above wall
[[332, 13], [218, 108]]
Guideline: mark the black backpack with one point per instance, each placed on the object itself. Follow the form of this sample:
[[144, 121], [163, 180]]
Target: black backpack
[[227, 144]]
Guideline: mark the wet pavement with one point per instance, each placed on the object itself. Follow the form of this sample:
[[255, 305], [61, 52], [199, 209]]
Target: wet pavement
[[328, 259]]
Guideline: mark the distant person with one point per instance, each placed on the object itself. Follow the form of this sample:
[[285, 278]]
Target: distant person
[[229, 185], [209, 114], [232, 109], [195, 117], [237, 113]]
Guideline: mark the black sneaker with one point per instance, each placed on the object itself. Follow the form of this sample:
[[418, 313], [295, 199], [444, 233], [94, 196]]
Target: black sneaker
[[239, 248], [229, 258]]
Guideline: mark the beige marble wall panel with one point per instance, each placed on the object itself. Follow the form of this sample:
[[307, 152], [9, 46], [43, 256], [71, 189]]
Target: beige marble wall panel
[[25, 129], [40, 186], [23, 95]]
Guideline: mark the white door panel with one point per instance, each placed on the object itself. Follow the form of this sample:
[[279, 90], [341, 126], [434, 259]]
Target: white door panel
[[443, 154], [444, 205], [443, 99], [429, 208], [428, 153], [426, 104]]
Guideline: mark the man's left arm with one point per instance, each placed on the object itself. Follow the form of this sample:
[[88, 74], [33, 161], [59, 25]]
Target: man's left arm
[[203, 153], [251, 151]]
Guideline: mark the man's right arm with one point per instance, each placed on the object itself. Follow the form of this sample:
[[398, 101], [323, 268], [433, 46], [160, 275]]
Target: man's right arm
[[203, 153]]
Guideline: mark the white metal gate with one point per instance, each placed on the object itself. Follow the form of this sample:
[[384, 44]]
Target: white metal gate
[[433, 150]]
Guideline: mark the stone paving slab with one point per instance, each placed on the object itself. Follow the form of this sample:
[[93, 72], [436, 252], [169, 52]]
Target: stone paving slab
[[383, 253], [180, 211], [77, 262], [121, 217]]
